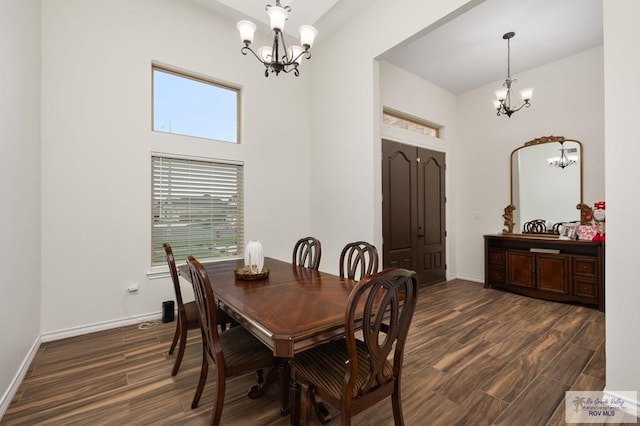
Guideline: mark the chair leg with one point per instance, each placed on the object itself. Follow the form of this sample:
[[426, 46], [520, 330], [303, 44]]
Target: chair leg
[[346, 419], [396, 403], [284, 379], [305, 404], [183, 344], [319, 408], [220, 391], [294, 401], [176, 335], [204, 372]]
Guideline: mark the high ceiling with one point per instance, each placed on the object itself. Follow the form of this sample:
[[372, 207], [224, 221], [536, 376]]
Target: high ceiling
[[467, 51], [303, 12], [326, 15]]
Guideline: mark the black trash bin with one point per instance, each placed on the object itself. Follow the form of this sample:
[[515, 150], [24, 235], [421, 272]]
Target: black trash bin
[[168, 311]]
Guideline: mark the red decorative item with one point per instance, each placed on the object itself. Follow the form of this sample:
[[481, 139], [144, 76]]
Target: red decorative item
[[587, 232], [599, 215]]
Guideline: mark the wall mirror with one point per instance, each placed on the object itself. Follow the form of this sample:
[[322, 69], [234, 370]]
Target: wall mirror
[[546, 186]]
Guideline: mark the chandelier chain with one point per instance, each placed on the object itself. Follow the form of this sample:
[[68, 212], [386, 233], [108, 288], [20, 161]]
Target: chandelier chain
[[509, 59]]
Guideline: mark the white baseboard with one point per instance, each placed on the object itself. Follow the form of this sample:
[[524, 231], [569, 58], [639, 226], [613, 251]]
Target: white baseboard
[[634, 406], [468, 278], [63, 334], [92, 328], [17, 380]]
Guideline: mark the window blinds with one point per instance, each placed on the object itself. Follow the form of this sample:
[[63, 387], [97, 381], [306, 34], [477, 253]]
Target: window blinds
[[197, 207]]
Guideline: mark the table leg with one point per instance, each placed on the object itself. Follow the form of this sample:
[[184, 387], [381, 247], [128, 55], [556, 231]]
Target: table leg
[[263, 385]]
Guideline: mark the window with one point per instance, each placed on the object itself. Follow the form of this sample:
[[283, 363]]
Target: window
[[413, 124], [191, 106], [197, 207]]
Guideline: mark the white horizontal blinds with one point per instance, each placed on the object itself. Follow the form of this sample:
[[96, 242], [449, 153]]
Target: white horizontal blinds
[[197, 208]]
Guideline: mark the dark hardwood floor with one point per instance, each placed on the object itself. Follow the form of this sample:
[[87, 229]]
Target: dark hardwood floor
[[474, 356]]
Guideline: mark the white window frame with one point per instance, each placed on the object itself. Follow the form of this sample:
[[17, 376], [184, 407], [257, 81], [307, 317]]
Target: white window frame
[[201, 80]]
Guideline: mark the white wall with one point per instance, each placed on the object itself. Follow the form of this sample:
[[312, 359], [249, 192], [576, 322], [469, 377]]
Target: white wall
[[622, 104], [570, 105], [97, 143], [409, 94], [20, 190], [345, 128], [95, 134], [568, 101]]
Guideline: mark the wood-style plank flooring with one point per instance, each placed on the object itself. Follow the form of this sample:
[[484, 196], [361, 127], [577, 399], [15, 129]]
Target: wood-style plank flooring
[[474, 356]]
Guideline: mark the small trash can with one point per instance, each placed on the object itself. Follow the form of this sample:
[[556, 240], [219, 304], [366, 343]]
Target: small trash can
[[168, 311]]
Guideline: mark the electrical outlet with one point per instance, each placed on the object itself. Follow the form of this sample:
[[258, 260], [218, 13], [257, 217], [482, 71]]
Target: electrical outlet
[[133, 288]]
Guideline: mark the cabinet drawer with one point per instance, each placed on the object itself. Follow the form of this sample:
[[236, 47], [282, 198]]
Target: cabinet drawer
[[497, 257], [497, 275], [585, 288], [585, 266]]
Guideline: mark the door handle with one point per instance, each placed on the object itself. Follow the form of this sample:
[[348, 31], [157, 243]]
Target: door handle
[[420, 232]]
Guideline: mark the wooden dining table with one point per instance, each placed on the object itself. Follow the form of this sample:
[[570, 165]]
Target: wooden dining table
[[293, 309]]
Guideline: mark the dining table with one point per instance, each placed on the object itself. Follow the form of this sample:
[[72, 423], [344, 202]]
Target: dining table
[[292, 309]]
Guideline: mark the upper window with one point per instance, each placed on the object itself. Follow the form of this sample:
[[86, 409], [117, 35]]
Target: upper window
[[197, 207], [192, 106], [409, 123]]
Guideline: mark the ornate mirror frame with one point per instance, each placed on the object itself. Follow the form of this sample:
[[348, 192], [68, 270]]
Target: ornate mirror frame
[[585, 210]]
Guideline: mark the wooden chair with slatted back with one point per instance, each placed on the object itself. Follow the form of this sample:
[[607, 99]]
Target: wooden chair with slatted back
[[187, 314], [307, 252], [233, 352], [358, 256], [354, 374]]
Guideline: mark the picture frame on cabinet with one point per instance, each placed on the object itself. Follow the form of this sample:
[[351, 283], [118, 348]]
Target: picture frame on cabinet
[[569, 231]]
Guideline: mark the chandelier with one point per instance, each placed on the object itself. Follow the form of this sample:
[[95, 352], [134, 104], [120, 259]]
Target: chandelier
[[563, 160], [278, 57], [503, 103]]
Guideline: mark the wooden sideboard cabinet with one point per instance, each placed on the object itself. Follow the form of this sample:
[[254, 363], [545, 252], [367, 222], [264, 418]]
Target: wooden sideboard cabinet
[[546, 268]]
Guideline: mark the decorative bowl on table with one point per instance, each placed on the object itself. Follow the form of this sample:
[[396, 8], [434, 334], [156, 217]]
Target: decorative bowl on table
[[250, 274]]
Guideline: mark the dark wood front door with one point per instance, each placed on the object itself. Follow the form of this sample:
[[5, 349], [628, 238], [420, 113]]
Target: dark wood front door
[[413, 210]]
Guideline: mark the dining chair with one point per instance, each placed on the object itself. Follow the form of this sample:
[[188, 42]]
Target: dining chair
[[233, 352], [353, 374], [307, 252], [187, 314], [358, 256]]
